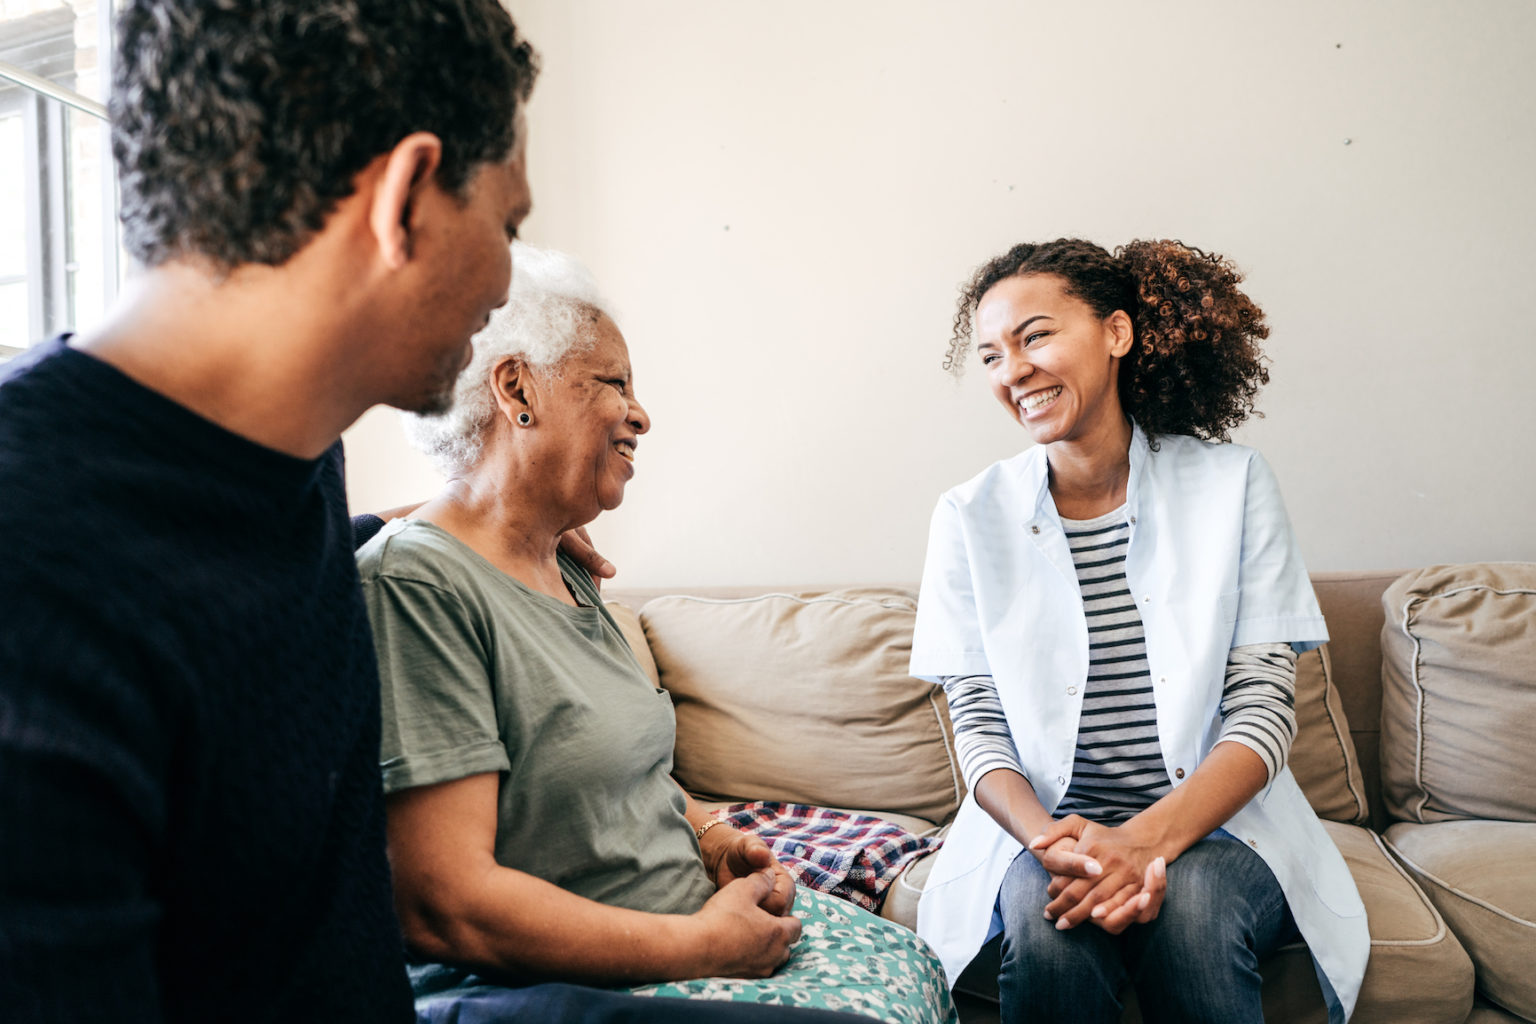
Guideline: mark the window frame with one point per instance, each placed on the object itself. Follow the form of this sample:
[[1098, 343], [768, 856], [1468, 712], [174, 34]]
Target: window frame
[[43, 45]]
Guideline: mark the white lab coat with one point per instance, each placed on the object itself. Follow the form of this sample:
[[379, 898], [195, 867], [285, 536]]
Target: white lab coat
[[1213, 565]]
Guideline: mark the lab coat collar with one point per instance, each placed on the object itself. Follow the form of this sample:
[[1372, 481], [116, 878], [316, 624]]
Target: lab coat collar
[[1039, 478]]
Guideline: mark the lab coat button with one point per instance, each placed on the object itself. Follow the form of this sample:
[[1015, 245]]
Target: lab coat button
[[1253, 843], [1061, 780], [1071, 691], [1178, 773], [1133, 520], [1034, 529]]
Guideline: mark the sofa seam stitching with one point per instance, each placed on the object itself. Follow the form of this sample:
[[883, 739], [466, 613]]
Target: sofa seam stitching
[[1424, 901], [949, 752], [1362, 812], [1418, 722], [1454, 890], [1479, 586]]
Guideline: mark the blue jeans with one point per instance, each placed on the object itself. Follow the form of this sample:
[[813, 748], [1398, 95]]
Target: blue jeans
[[1197, 961], [575, 1004]]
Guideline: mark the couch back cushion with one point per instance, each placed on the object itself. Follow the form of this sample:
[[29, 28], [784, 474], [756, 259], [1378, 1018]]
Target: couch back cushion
[[628, 621], [1459, 693], [1351, 602], [804, 699], [1323, 754]]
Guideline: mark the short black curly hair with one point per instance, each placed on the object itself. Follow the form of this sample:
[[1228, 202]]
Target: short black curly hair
[[237, 125], [1196, 365]]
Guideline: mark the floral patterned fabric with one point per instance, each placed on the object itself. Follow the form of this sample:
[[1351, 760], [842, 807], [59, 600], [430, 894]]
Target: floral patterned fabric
[[847, 959]]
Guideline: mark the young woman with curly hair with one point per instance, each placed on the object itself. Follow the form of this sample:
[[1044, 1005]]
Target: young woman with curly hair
[[1115, 616]]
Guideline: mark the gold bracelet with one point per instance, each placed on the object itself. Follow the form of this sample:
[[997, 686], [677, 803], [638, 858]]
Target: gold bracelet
[[698, 833]]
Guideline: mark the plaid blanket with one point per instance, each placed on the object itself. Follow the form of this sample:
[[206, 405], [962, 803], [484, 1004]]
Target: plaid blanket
[[855, 856]]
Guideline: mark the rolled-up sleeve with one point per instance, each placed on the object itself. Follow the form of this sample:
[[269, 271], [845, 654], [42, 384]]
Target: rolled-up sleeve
[[439, 712]]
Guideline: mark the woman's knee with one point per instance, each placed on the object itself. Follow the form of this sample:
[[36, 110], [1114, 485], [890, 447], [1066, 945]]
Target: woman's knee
[[1042, 964], [1023, 897], [1220, 893]]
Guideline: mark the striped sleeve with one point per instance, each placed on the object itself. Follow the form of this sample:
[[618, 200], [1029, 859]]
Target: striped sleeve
[[1258, 702], [982, 739]]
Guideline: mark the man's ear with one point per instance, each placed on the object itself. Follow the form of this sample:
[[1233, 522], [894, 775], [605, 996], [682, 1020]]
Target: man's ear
[[408, 168], [510, 386], [1122, 332]]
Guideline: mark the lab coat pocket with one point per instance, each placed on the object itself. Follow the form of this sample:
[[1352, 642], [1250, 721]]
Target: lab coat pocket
[[1336, 889]]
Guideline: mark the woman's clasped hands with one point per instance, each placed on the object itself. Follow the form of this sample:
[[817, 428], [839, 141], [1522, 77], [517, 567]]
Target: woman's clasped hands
[[1103, 874], [751, 930], [730, 854]]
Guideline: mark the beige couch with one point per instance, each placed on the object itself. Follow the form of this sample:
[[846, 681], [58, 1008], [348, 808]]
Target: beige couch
[[1420, 764]]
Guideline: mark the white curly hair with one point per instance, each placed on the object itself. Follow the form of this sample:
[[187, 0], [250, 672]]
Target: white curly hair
[[546, 320]]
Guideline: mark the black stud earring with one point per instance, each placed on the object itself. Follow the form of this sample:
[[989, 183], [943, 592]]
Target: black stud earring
[[523, 419]]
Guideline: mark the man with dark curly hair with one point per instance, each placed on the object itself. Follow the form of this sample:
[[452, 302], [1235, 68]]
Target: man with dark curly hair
[[321, 194], [190, 817]]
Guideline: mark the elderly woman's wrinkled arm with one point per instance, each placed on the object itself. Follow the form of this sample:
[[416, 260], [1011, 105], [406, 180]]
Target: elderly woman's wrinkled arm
[[458, 905]]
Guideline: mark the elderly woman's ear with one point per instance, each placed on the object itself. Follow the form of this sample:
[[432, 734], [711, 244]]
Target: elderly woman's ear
[[510, 380]]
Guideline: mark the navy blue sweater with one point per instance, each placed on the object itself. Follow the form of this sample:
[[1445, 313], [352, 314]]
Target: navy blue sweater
[[191, 821]]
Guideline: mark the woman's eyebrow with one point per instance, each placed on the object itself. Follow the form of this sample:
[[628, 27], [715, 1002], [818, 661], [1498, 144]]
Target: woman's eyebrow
[[1038, 316]]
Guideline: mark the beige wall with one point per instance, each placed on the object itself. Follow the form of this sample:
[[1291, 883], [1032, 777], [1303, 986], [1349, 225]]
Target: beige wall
[[782, 198]]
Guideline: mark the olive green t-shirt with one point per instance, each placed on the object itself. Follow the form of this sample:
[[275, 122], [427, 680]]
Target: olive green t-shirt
[[482, 674]]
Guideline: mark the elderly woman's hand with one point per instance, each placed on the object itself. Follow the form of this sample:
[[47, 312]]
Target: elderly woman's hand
[[730, 854], [739, 938]]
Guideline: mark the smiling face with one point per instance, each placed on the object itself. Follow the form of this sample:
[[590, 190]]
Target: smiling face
[[1050, 359], [592, 421]]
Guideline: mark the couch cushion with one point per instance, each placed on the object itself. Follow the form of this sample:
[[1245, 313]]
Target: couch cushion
[[901, 898], [1323, 753], [1351, 602], [1417, 971], [805, 700], [1479, 875], [1487, 1013], [629, 624], [1459, 693]]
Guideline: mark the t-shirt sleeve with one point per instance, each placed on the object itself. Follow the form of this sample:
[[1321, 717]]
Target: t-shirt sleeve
[[438, 705], [82, 814], [1275, 599], [946, 640]]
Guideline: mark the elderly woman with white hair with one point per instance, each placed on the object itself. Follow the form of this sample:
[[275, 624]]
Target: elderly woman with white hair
[[534, 829]]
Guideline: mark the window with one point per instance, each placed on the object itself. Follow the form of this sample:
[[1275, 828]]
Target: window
[[59, 253]]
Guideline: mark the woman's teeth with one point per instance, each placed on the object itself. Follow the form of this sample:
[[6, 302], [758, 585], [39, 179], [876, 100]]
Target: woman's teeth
[[1029, 403]]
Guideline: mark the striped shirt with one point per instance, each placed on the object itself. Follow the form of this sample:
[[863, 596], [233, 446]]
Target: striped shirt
[[1118, 767]]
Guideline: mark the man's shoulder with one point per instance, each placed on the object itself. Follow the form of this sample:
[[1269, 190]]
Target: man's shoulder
[[35, 390]]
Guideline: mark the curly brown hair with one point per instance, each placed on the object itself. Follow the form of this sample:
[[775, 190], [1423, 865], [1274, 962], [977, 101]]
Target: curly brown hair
[[238, 125], [1195, 367]]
